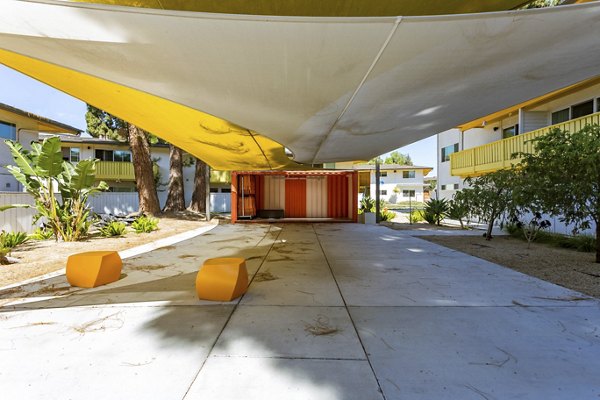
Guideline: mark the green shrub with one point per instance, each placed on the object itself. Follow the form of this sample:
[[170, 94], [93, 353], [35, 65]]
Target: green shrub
[[113, 229], [41, 234], [436, 209], [144, 224], [387, 215], [10, 240], [428, 217], [367, 204], [416, 216]]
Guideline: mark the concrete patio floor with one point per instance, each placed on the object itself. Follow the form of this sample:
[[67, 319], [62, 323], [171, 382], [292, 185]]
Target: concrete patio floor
[[406, 319]]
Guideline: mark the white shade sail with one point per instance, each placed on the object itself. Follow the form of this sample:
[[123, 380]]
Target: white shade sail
[[329, 89]]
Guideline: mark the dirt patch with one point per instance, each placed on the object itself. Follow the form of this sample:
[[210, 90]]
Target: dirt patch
[[147, 268], [265, 277], [564, 267], [41, 257], [320, 327]]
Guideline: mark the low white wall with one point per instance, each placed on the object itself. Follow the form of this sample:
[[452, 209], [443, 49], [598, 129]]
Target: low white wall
[[21, 219]]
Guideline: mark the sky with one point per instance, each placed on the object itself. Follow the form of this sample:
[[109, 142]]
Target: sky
[[20, 91]]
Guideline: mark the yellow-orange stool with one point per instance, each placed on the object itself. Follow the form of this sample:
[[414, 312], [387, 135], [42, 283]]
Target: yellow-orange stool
[[93, 268], [222, 279]]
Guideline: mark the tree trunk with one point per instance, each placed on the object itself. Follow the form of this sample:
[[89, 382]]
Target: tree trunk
[[597, 242], [488, 233], [175, 198], [144, 173], [198, 203]]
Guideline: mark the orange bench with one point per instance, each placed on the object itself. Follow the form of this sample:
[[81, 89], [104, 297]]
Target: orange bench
[[222, 279], [93, 268]]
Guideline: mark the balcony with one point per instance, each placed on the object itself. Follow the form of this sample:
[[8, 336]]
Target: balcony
[[114, 171], [497, 155]]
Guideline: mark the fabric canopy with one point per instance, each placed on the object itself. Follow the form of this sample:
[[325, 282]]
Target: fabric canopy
[[234, 89]]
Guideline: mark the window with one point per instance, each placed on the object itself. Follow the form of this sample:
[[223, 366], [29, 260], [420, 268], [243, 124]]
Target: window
[[598, 104], [449, 187], [214, 190], [104, 155], [383, 173], [74, 154], [70, 154], [225, 190], [408, 174], [560, 116], [510, 131], [8, 131], [408, 193], [116, 155], [122, 155], [582, 109], [446, 151], [384, 192]]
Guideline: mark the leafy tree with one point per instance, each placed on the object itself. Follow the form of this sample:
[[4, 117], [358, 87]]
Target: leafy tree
[[458, 208], [542, 3], [395, 157], [562, 177], [490, 197], [40, 171], [102, 124]]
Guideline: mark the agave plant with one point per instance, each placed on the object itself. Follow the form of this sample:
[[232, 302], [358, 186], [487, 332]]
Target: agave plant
[[41, 171], [437, 209]]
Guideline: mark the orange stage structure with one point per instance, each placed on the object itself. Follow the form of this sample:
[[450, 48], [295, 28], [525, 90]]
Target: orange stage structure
[[294, 195]]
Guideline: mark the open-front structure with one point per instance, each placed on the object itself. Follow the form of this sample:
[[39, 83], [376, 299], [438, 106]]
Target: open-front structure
[[295, 195]]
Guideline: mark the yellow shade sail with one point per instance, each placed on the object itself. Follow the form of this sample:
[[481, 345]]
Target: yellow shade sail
[[223, 145]]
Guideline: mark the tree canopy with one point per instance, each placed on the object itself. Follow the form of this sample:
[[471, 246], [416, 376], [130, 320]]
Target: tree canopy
[[563, 177], [395, 157]]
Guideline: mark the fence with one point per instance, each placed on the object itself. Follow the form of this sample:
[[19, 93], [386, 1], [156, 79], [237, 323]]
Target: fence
[[21, 219]]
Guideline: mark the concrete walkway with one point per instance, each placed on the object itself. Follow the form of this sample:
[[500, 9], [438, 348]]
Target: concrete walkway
[[334, 311]]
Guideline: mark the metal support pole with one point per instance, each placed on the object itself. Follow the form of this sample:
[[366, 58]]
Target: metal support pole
[[207, 192], [377, 191], [409, 208]]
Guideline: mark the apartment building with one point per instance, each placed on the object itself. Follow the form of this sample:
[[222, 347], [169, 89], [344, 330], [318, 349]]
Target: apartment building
[[487, 144], [23, 127]]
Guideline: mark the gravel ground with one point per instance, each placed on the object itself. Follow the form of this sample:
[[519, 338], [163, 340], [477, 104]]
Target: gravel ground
[[37, 258], [569, 268]]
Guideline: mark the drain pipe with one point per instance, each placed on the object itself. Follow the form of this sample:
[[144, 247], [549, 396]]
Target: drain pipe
[[207, 196]]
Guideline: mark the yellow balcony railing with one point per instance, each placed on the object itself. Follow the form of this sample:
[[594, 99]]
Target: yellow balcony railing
[[114, 171], [498, 155]]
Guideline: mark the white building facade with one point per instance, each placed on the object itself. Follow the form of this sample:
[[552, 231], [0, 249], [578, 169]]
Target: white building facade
[[580, 104], [398, 183]]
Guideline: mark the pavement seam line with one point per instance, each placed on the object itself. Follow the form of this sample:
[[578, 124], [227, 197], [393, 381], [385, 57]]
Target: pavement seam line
[[235, 306], [368, 359]]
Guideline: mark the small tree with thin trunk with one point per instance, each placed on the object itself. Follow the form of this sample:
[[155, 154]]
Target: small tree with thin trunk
[[490, 197], [562, 177]]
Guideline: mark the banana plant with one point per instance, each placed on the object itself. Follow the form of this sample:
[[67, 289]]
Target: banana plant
[[42, 172]]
